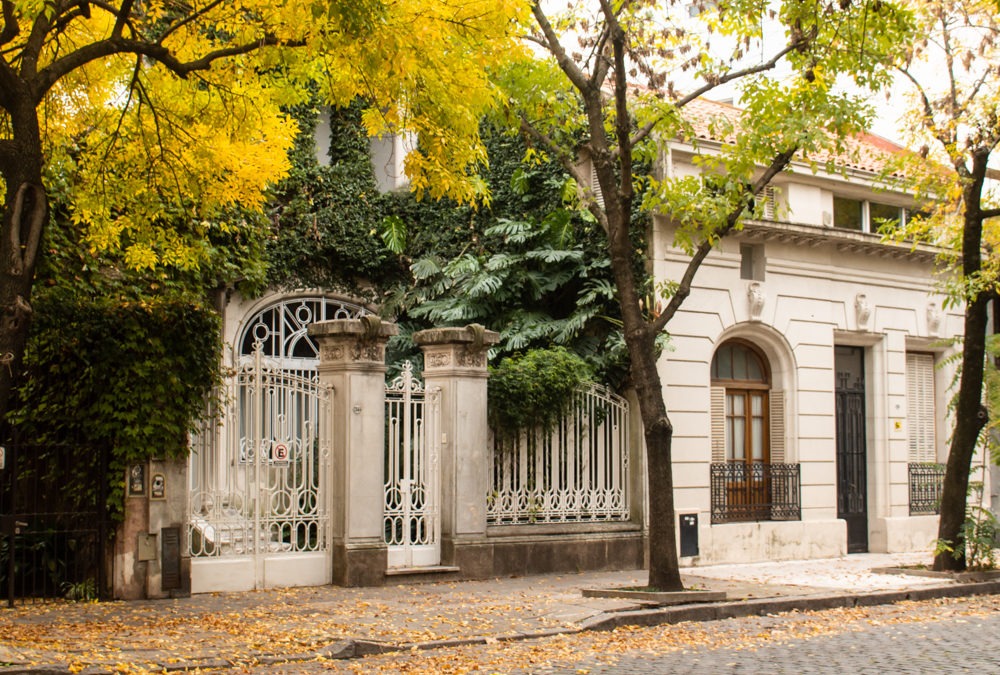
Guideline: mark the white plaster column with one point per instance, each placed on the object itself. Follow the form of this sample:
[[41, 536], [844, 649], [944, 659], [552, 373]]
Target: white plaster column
[[455, 362], [352, 362]]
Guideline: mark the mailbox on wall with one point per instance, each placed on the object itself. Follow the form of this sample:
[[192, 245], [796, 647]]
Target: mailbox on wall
[[689, 534]]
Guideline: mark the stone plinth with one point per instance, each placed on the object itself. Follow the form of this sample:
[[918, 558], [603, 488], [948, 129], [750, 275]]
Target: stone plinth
[[455, 362]]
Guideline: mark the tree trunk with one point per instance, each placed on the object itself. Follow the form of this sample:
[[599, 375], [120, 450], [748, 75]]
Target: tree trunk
[[664, 571], [25, 213], [970, 418], [970, 415]]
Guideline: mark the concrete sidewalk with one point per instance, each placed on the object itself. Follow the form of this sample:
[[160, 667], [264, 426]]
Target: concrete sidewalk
[[218, 630]]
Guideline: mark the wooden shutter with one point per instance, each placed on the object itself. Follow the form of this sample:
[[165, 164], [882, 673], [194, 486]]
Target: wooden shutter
[[920, 407], [777, 405], [718, 415], [595, 185], [770, 206]]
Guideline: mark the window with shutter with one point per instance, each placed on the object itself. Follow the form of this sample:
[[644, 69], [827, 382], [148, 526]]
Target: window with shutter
[[920, 407], [595, 185]]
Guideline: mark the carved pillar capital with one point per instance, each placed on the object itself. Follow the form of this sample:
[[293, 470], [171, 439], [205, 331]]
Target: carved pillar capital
[[456, 349], [352, 343]]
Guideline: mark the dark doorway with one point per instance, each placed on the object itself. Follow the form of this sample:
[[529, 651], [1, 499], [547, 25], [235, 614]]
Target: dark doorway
[[852, 475]]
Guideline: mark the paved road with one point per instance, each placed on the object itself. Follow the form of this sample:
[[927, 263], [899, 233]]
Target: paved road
[[940, 636], [940, 647]]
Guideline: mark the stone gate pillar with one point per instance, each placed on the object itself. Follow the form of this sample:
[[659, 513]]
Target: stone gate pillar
[[352, 361], [455, 361]]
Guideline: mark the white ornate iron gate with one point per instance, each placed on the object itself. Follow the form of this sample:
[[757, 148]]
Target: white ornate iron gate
[[259, 514], [577, 471], [412, 476]]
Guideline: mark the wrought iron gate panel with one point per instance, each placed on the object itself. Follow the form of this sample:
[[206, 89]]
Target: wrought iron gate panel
[[412, 475], [259, 479], [852, 456], [577, 471]]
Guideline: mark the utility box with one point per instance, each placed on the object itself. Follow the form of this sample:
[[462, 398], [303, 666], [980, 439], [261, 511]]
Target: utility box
[[689, 534]]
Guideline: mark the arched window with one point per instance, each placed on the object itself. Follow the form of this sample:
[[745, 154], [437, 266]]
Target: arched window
[[280, 330], [742, 371], [749, 479]]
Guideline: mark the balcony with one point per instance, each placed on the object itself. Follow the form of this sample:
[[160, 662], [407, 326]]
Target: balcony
[[743, 492]]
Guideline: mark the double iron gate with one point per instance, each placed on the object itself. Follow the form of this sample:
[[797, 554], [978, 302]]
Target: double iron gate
[[411, 471], [259, 515], [260, 481]]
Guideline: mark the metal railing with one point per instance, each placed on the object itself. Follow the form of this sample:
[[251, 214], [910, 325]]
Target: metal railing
[[54, 522], [744, 491], [576, 472], [926, 483]]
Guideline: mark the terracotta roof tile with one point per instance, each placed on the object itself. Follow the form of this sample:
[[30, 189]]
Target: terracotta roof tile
[[862, 152]]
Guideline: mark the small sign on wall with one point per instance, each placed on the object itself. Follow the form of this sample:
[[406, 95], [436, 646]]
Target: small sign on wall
[[158, 488], [279, 453], [137, 480]]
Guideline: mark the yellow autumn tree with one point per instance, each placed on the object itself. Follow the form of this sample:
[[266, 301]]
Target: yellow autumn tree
[[168, 112]]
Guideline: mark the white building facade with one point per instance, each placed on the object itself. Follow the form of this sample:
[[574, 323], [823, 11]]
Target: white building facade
[[803, 380]]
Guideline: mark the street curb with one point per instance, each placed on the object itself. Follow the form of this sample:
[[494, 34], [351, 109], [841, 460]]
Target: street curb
[[717, 611], [704, 612]]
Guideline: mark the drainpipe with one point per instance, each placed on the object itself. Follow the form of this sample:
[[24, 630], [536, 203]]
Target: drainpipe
[[994, 468]]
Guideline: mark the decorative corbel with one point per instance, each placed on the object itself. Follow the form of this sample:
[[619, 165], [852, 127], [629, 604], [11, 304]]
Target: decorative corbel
[[862, 310], [755, 300]]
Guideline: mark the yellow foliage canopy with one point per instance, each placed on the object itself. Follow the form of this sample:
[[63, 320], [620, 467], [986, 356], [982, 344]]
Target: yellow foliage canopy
[[166, 114]]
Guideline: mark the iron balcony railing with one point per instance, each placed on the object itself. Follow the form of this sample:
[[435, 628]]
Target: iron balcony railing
[[744, 491], [926, 483]]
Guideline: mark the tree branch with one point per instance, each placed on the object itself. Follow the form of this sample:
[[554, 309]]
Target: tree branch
[[193, 16], [98, 50], [795, 44], [568, 66], [990, 213], [10, 27], [622, 117], [777, 165], [123, 14]]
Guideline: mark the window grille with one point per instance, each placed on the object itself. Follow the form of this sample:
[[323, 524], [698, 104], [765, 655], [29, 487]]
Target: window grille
[[926, 484], [755, 491]]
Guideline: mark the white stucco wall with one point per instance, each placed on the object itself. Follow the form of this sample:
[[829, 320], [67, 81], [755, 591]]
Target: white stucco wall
[[812, 283]]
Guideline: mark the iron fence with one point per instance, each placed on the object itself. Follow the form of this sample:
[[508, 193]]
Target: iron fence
[[578, 471], [55, 524], [754, 491], [926, 484]]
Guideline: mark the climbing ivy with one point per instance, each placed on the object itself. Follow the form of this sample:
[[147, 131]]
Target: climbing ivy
[[132, 375], [118, 358], [325, 220]]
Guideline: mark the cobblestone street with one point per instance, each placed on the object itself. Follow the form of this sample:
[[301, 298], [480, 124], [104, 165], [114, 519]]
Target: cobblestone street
[[912, 637]]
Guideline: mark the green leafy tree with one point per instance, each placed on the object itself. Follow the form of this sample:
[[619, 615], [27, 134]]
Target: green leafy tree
[[529, 265], [583, 90]]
